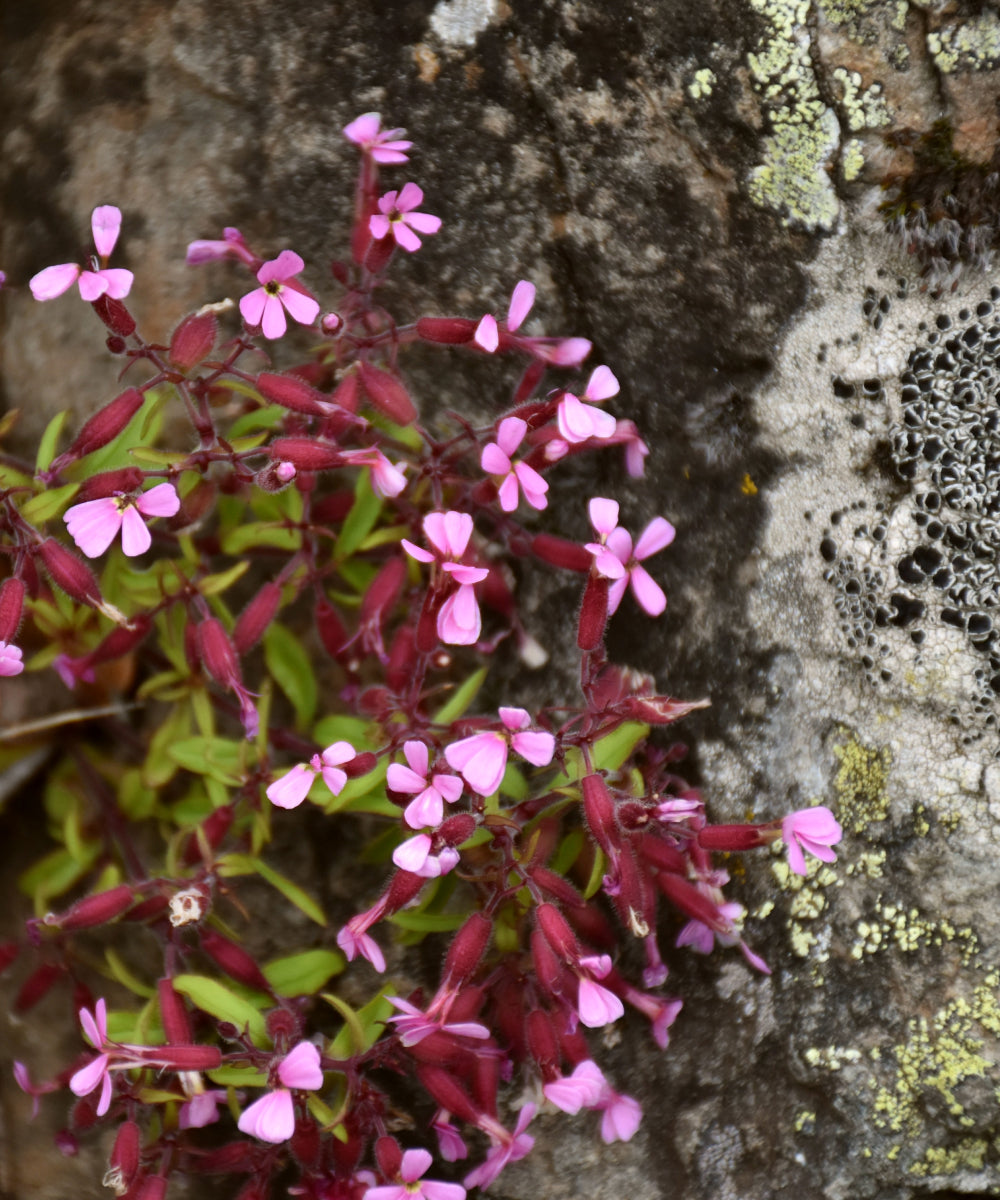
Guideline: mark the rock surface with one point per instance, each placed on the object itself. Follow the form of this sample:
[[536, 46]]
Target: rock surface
[[694, 187]]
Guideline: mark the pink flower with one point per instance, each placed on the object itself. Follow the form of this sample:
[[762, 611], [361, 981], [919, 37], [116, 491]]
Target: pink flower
[[388, 479], [94, 524], [701, 937], [96, 1072], [413, 1025], [582, 1089], [814, 830], [428, 807], [114, 282], [272, 1117], [354, 938], [396, 215], [381, 144], [507, 1148], [10, 660], [34, 1090], [279, 293], [497, 461], [202, 1109], [414, 855], [482, 758], [615, 558], [290, 790], [414, 1164], [487, 335], [596, 1006], [459, 622], [450, 1142], [232, 245], [622, 1116], [578, 421], [73, 670]]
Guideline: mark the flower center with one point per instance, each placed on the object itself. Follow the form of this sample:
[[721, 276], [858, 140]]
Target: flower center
[[272, 287]]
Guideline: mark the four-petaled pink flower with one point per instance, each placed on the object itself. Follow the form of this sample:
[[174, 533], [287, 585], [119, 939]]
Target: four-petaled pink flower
[[582, 1089], [459, 622], [497, 461], [84, 1081], [507, 1148], [596, 1006], [388, 479], [412, 1025], [414, 1164], [272, 1117], [290, 790], [10, 659], [482, 758], [814, 830], [202, 1109], [414, 855], [578, 421], [617, 559], [94, 524], [115, 282], [430, 798], [622, 1116], [397, 215], [279, 293], [381, 144], [487, 335]]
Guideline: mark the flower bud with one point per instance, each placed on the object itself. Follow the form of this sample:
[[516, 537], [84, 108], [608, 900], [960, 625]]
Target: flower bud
[[659, 710], [256, 617], [402, 659], [542, 1040], [234, 960], [457, 829], [593, 613], [403, 888], [447, 1092], [93, 910], [107, 483], [548, 969], [174, 1015], [689, 899], [104, 426], [36, 986], [331, 323], [217, 653], [427, 635], [305, 454], [389, 1156], [11, 605], [347, 394], [8, 952], [69, 573], [735, 837], [154, 1187], [123, 1164], [661, 854], [115, 344], [292, 393], [214, 828], [486, 1081], [331, 631], [383, 591], [281, 1025], [556, 886], [193, 339], [446, 331], [360, 764], [559, 552], [115, 315], [148, 910], [466, 951], [387, 394], [557, 932], [599, 810], [305, 1143]]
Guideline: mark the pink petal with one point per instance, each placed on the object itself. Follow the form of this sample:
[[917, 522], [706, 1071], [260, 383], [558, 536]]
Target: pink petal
[[53, 281], [94, 524], [426, 809], [573, 419], [459, 622], [117, 282], [567, 352], [338, 753], [417, 552], [603, 425], [510, 434], [402, 779], [410, 196], [391, 153], [425, 223], [10, 660], [521, 300], [494, 460], [480, 759], [619, 542], [416, 754], [281, 268], [648, 593], [92, 285], [104, 1103], [252, 306], [379, 226], [91, 1029], [363, 129], [657, 535], [387, 203], [606, 563], [620, 1120], [514, 718], [273, 323], [532, 484], [335, 779], [352, 944], [271, 1118], [536, 746], [465, 575], [449, 532], [405, 236], [449, 787], [300, 1068], [412, 854], [291, 789], [597, 1006], [603, 514], [300, 306], [415, 1163], [486, 336], [508, 493], [160, 501], [105, 223], [136, 538], [602, 384], [83, 1082]]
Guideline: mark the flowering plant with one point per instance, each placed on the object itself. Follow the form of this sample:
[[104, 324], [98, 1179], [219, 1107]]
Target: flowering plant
[[306, 623]]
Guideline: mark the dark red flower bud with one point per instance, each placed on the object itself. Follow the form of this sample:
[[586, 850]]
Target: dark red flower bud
[[11, 605], [447, 1092], [387, 394], [689, 899], [559, 552], [214, 828], [457, 829], [154, 1187], [383, 592], [734, 837], [124, 1161], [549, 970], [360, 764], [557, 887], [115, 344], [427, 636], [466, 951], [83, 1114], [599, 810], [633, 815], [93, 910], [115, 315], [107, 483], [305, 454], [330, 628], [281, 1025], [389, 1156], [305, 1143], [486, 1081], [402, 659], [661, 854], [181, 1058], [234, 1156], [8, 952], [193, 339], [234, 960], [557, 932], [122, 641], [402, 889], [174, 1014], [529, 381], [593, 927], [69, 573], [217, 652], [542, 1040], [104, 426], [256, 617], [195, 504], [36, 986], [289, 392], [347, 393], [379, 253], [148, 910], [446, 331], [593, 613]]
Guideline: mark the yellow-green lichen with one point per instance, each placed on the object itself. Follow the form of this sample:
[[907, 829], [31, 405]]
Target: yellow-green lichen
[[844, 12], [807, 903], [864, 107], [852, 160], [792, 180], [907, 930], [702, 84], [861, 783], [968, 1155], [805, 1122], [972, 45], [832, 1058]]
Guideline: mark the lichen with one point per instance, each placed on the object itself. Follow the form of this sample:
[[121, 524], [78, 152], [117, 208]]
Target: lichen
[[852, 160], [971, 45], [864, 108], [702, 84], [908, 930], [861, 782]]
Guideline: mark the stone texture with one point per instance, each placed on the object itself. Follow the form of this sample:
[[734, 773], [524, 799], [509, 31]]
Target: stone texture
[[694, 187]]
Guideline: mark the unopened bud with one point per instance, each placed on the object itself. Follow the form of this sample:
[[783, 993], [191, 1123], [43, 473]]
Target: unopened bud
[[689, 899], [387, 394], [347, 394], [446, 331], [560, 553], [457, 829], [305, 1143], [123, 1164], [383, 591], [542, 1040], [468, 948], [557, 932], [599, 810], [174, 1015], [181, 1058], [217, 652], [36, 986], [193, 339], [661, 854], [291, 393], [735, 837], [69, 573], [154, 1187], [8, 952], [593, 613], [104, 426], [447, 1092], [115, 315], [402, 659], [256, 617], [305, 454], [11, 605], [281, 1025], [360, 764], [659, 710], [108, 483], [556, 886], [331, 323], [330, 628], [93, 910], [389, 1156], [234, 960]]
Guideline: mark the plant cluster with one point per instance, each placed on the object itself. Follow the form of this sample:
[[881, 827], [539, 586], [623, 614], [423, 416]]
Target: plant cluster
[[303, 525]]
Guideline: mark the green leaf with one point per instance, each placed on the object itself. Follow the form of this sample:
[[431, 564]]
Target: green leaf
[[262, 418], [424, 922], [259, 533], [218, 1001], [567, 852], [238, 1077], [10, 477], [458, 704], [303, 974], [291, 891], [360, 521], [215, 585], [292, 670], [45, 505], [50, 440], [362, 1028], [159, 768], [597, 873], [159, 458], [612, 751], [354, 789], [216, 757], [55, 874], [355, 730]]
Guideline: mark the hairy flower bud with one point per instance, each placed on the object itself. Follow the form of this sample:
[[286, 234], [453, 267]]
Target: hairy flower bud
[[734, 837], [256, 617], [103, 427], [36, 986], [599, 810], [689, 899], [193, 339], [115, 315], [387, 394], [123, 1164], [389, 1156], [173, 1014], [75, 579], [217, 652], [542, 1040], [466, 951], [402, 659], [447, 1092], [305, 454], [457, 829], [557, 932], [108, 483], [11, 605], [330, 628], [292, 393], [234, 960], [661, 855], [153, 1187], [556, 886], [93, 910], [593, 613], [347, 392], [559, 552], [446, 331]]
